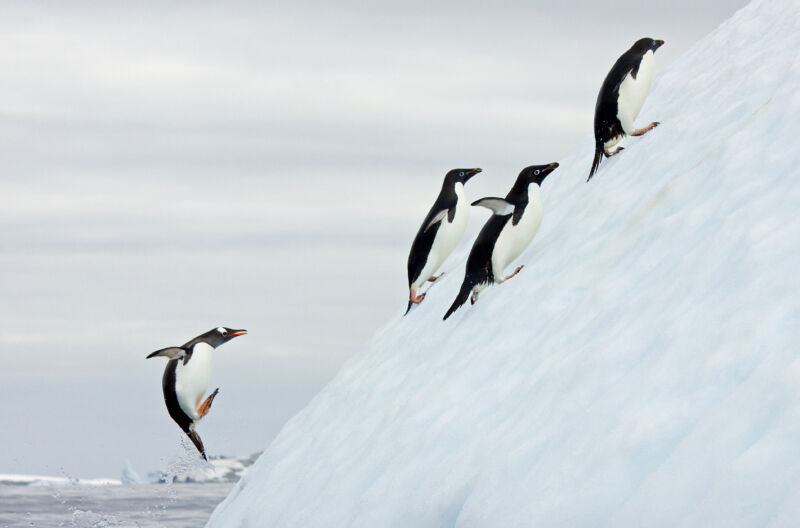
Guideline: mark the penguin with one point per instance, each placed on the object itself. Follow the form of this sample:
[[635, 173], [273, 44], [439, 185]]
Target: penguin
[[621, 97], [439, 233], [505, 235], [186, 379]]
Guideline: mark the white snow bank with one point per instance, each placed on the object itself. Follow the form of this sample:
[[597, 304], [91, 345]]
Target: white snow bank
[[642, 370]]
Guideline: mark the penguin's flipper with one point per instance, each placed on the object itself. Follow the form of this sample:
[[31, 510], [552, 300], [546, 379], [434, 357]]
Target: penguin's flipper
[[499, 206], [438, 217], [206, 405], [170, 352], [195, 438]]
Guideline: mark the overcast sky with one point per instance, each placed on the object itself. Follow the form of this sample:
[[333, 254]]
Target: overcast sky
[[166, 168]]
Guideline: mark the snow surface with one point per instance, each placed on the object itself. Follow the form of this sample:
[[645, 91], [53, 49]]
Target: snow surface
[[642, 370]]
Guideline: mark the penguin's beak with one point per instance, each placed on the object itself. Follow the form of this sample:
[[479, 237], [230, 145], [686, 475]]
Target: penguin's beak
[[236, 333], [548, 169], [659, 43], [471, 173]]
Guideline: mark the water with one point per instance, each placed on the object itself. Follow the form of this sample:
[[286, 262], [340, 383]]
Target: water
[[146, 505]]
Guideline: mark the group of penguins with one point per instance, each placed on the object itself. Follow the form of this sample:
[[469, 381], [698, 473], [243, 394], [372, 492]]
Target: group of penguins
[[516, 218], [504, 237]]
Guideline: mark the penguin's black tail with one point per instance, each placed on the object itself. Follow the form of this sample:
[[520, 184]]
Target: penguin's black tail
[[598, 155], [463, 295], [410, 304], [195, 438]]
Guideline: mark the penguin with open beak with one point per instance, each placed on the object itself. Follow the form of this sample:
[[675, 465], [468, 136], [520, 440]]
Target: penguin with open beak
[[186, 379]]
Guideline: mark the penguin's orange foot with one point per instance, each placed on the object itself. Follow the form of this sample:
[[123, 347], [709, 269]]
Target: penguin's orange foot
[[206, 406], [645, 130], [414, 298], [614, 152], [434, 278], [515, 272]]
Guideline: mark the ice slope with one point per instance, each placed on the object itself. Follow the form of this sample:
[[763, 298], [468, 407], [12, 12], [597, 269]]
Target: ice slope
[[642, 370]]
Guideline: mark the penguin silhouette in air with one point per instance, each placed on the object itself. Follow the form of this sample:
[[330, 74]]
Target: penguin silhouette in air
[[186, 379], [505, 235], [439, 233], [621, 97]]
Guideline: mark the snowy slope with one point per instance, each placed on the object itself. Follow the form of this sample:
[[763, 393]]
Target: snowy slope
[[642, 370]]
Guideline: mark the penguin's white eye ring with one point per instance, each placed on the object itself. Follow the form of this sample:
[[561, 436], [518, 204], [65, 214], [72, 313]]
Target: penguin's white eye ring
[[461, 173], [536, 172]]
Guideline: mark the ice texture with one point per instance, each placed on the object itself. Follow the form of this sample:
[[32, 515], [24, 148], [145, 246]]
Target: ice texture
[[642, 370]]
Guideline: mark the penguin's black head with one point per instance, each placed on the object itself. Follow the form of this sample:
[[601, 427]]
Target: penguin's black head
[[647, 44], [221, 335], [460, 175], [537, 173]]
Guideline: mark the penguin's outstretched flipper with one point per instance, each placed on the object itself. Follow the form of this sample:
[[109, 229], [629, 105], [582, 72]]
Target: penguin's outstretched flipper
[[499, 206], [195, 438], [169, 352], [463, 295]]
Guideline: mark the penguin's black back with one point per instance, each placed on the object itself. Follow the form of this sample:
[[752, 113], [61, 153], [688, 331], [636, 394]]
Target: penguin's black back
[[479, 261], [423, 242], [171, 397], [606, 122]]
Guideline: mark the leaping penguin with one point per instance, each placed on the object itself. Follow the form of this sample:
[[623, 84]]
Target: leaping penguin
[[439, 233], [621, 97], [505, 235], [186, 379]]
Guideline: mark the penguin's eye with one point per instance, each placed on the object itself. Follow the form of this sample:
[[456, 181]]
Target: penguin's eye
[[461, 173], [222, 331], [536, 172]]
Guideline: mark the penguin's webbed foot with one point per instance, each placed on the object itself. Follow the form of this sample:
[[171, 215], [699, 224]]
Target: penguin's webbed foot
[[206, 406], [434, 278], [645, 130], [414, 298], [473, 298], [612, 153], [515, 272]]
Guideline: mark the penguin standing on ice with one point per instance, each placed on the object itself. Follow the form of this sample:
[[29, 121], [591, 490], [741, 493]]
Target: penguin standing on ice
[[505, 235], [439, 233], [186, 379], [621, 97]]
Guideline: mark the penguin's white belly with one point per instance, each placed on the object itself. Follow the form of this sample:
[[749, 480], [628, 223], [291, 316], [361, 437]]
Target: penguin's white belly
[[514, 239], [191, 379], [633, 92], [447, 237]]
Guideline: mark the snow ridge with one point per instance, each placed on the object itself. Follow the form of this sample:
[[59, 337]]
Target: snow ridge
[[642, 370]]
